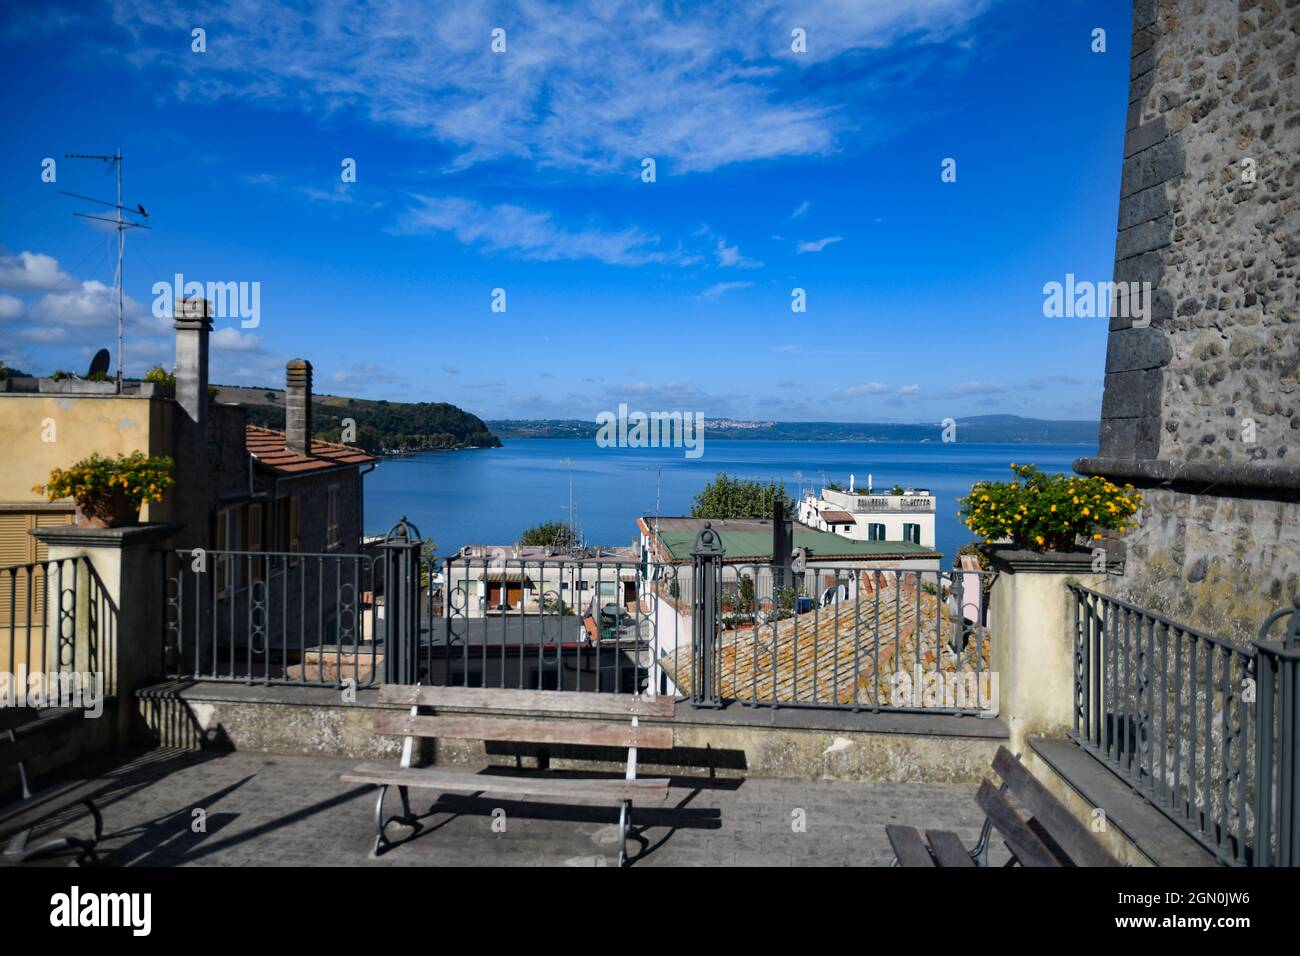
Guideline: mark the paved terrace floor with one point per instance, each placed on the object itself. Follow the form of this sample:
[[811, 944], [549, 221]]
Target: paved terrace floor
[[267, 810]]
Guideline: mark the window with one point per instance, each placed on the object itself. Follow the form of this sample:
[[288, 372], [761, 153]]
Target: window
[[227, 536], [255, 543], [332, 518], [875, 531], [288, 519], [911, 532]]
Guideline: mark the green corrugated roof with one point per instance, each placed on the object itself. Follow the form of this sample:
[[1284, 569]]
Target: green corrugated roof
[[820, 544]]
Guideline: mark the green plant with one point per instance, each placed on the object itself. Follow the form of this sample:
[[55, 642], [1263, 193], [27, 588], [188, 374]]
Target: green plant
[[62, 374], [746, 592], [159, 376], [834, 486], [1047, 512], [785, 598], [97, 377], [897, 490], [549, 534], [727, 497], [96, 481]]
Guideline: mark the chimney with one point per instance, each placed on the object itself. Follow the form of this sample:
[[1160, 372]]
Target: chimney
[[193, 323], [297, 406]]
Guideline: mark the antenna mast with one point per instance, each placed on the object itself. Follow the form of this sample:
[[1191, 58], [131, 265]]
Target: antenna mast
[[122, 225]]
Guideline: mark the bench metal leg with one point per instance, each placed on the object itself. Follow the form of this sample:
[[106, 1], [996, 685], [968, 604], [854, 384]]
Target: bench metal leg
[[382, 843], [19, 850], [624, 827]]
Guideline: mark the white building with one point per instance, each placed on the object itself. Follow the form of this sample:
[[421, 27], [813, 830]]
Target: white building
[[872, 515], [486, 580]]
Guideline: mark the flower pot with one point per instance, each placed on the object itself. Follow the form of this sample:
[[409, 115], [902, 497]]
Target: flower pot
[[113, 510]]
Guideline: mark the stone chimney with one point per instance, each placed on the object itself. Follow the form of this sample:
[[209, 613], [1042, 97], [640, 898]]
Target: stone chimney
[[193, 324], [297, 406]]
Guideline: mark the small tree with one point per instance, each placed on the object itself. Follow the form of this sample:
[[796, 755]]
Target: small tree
[[727, 497], [549, 534], [746, 593]]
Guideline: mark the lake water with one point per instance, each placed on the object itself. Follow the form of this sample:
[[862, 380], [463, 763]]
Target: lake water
[[490, 496]]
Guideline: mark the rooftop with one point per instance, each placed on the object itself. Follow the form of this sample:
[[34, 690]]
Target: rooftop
[[750, 539], [267, 446]]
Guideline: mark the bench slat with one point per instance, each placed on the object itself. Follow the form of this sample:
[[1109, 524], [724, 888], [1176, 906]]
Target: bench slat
[[25, 814], [1030, 850], [469, 727], [948, 848], [908, 846], [465, 782], [545, 701], [1063, 826]]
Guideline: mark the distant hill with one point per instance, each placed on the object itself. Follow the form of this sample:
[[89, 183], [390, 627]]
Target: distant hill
[[979, 428], [381, 426]]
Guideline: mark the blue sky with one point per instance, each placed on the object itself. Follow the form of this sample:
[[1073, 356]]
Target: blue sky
[[521, 170]]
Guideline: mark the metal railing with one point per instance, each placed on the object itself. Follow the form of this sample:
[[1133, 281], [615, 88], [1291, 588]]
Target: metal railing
[[56, 620], [560, 622], [1277, 790], [273, 617], [807, 635], [1170, 709], [821, 635]]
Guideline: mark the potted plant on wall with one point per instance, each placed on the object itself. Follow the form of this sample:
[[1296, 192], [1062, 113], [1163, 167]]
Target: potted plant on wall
[[109, 491], [1047, 513]]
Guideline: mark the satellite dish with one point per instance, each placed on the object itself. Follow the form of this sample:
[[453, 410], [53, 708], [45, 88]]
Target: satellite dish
[[99, 364]]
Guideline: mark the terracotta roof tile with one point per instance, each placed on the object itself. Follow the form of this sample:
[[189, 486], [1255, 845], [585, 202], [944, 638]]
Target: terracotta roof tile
[[267, 446], [837, 517]]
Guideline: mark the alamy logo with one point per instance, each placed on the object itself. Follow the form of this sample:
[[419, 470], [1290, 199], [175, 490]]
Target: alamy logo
[[75, 909], [55, 689], [655, 430], [230, 300], [1089, 300]]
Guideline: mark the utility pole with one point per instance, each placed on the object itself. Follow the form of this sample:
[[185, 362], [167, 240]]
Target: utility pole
[[121, 225]]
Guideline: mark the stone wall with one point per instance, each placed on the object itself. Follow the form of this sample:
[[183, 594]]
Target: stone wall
[[1202, 407]]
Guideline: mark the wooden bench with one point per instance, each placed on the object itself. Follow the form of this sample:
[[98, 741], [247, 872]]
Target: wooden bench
[[19, 818], [1052, 836], [513, 717]]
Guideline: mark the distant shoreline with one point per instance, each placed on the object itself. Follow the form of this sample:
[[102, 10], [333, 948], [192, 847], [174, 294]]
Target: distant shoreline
[[992, 429]]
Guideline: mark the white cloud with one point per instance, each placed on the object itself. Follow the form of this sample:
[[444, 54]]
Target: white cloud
[[10, 307], [856, 391], [233, 340], [976, 388], [33, 272], [582, 86], [803, 208], [817, 245], [528, 233], [909, 390], [730, 257], [715, 292]]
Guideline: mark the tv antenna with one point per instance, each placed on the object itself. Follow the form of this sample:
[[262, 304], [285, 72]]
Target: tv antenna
[[121, 224]]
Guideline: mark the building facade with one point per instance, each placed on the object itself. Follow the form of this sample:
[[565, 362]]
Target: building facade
[[872, 515]]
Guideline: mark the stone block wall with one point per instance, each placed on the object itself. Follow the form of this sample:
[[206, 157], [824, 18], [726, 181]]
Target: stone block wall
[[1214, 102], [1202, 407]]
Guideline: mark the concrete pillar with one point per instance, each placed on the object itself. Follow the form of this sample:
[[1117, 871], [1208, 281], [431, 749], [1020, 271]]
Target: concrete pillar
[[297, 406], [119, 623], [1031, 624]]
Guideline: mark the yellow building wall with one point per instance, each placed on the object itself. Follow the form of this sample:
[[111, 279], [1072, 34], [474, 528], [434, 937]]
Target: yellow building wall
[[79, 425]]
